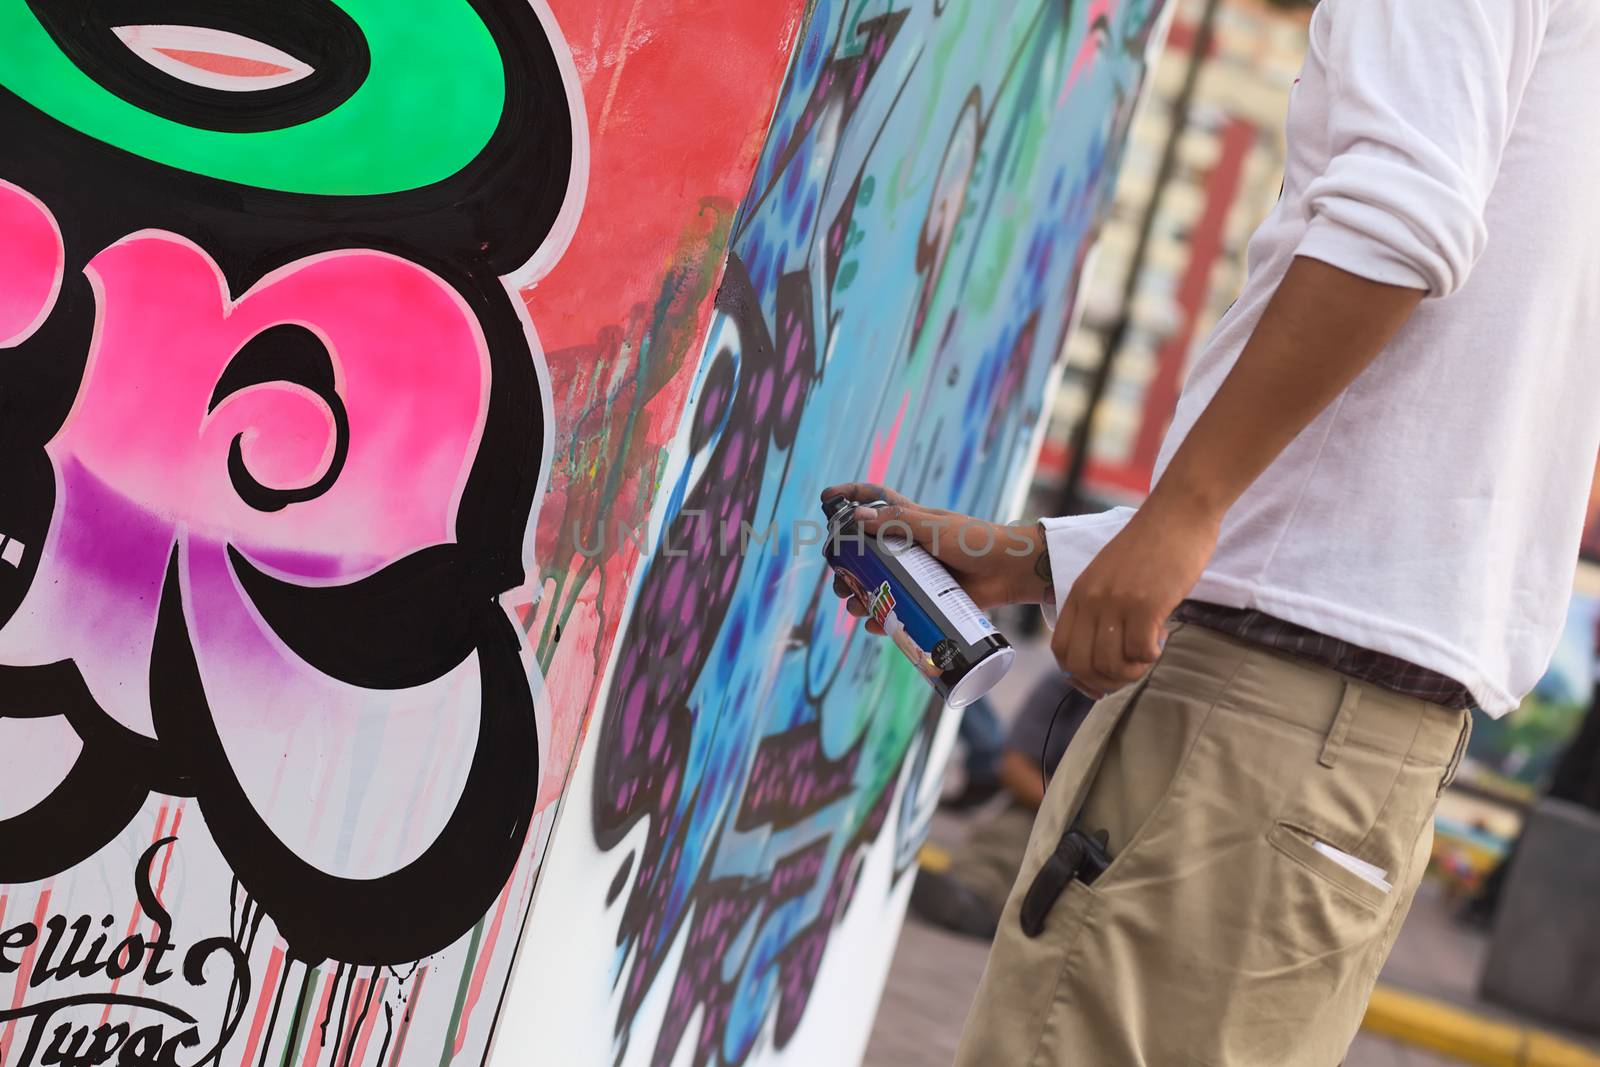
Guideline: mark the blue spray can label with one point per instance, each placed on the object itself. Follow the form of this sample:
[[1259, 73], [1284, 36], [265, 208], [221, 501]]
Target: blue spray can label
[[920, 606]]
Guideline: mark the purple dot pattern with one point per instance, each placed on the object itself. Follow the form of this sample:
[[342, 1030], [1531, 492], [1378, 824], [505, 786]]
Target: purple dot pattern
[[683, 601], [726, 906], [802, 958], [792, 778]]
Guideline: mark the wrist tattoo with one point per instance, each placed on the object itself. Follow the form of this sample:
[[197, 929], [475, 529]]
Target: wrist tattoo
[[1042, 569]]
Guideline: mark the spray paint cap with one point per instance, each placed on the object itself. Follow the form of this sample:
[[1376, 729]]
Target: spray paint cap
[[836, 507]]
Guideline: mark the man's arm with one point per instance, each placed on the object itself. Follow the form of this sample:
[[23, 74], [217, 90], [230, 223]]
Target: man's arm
[[1321, 329], [1022, 778]]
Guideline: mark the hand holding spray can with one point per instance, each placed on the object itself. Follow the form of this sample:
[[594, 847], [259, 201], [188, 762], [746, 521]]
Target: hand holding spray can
[[920, 606]]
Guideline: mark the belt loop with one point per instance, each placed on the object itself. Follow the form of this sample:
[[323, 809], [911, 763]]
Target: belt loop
[[1460, 753], [1341, 725]]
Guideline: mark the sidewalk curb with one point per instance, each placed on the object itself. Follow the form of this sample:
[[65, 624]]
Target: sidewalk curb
[[1470, 1038]]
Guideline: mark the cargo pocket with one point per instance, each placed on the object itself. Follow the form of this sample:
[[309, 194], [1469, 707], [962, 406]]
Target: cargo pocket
[[1130, 927], [1026, 975], [1094, 750], [1151, 751]]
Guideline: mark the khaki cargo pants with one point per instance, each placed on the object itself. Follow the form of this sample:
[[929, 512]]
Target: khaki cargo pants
[[1220, 935]]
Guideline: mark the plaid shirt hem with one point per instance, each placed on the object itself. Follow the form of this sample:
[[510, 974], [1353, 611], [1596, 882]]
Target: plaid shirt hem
[[1377, 668]]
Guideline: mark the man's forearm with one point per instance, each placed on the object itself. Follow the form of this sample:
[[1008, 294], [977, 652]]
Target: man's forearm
[[1321, 329], [1022, 778]]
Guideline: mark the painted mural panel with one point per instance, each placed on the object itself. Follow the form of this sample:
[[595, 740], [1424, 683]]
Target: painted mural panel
[[1516, 756], [759, 774], [675, 134], [283, 451]]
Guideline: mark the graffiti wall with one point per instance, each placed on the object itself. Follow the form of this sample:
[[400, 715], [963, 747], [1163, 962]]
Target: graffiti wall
[[320, 323], [728, 877], [413, 417]]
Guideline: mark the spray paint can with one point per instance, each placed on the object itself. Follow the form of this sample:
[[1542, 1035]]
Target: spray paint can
[[920, 606]]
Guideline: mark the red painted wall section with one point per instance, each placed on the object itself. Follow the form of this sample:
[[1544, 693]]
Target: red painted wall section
[[679, 94]]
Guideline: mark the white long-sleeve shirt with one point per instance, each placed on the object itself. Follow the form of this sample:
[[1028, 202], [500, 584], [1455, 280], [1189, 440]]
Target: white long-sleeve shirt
[[1433, 511]]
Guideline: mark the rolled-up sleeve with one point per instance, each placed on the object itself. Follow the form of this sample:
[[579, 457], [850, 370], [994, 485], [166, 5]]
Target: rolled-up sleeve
[[1073, 543], [1422, 95]]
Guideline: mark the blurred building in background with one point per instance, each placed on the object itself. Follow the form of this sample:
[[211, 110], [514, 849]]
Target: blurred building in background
[[1228, 173]]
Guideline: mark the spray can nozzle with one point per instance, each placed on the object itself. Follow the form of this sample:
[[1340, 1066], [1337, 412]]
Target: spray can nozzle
[[834, 507]]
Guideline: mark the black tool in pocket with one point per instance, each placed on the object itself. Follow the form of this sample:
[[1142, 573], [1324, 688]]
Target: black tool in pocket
[[1077, 855]]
